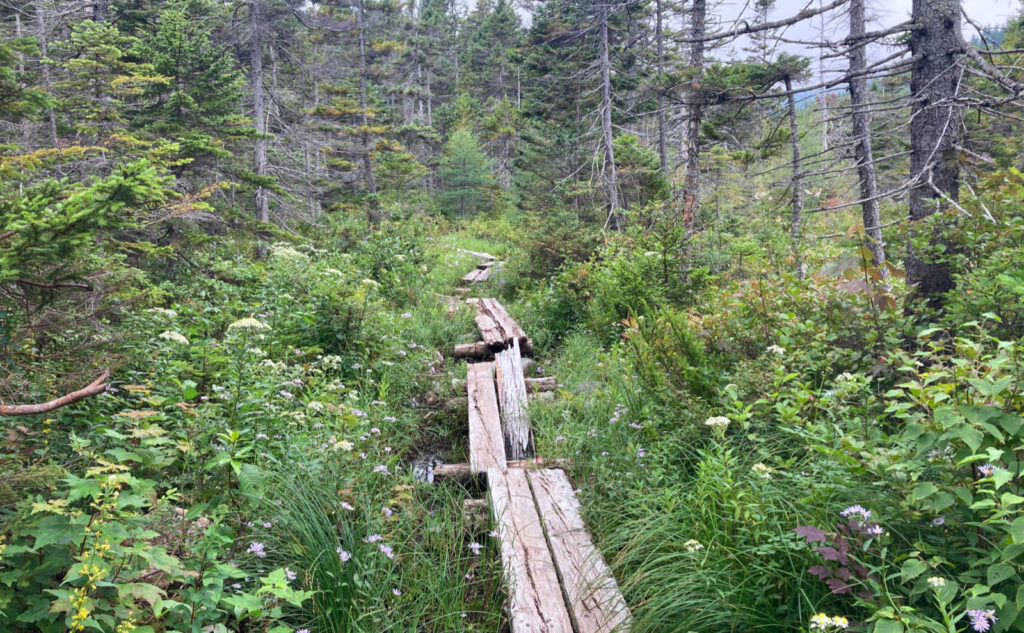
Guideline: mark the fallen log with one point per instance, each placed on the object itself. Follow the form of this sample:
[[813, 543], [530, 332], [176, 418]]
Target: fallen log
[[547, 383], [94, 388], [478, 350], [463, 472]]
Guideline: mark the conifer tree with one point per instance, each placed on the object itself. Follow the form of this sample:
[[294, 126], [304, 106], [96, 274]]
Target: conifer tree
[[465, 173]]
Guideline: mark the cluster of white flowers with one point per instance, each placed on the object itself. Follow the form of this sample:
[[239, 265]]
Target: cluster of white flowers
[[248, 323], [334, 271], [330, 360], [177, 337], [762, 471], [370, 282], [775, 349], [275, 365], [937, 582], [164, 312], [287, 253], [257, 352], [693, 546], [719, 422], [822, 622]]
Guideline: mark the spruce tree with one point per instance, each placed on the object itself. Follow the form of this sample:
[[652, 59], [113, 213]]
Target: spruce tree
[[465, 172]]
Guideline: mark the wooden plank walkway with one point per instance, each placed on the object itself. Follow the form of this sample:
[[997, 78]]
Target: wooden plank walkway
[[557, 580], [485, 439]]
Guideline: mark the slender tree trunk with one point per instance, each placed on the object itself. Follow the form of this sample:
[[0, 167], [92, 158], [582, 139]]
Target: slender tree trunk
[[694, 112], [370, 183], [935, 128], [42, 35], [659, 37], [611, 179], [861, 121], [275, 95], [797, 185], [821, 78], [259, 113]]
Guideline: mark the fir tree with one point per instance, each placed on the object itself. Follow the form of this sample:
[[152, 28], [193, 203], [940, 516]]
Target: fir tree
[[466, 175]]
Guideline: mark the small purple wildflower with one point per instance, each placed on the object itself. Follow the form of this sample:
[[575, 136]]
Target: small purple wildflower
[[262, 436], [345, 505], [387, 511], [268, 524], [939, 521], [373, 538], [475, 548], [301, 630], [407, 315], [874, 530], [287, 395], [378, 402], [981, 620], [343, 556], [389, 418], [559, 439], [289, 574], [857, 510], [381, 468], [396, 591], [256, 549], [986, 470], [375, 431], [386, 550]]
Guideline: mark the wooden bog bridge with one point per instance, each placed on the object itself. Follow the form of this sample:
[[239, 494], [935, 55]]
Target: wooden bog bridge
[[557, 580]]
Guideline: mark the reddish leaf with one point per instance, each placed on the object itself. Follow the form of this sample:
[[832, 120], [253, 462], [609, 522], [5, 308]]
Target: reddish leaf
[[838, 586], [820, 571], [811, 533]]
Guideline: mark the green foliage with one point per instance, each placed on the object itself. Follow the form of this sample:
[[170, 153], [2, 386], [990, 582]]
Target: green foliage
[[466, 176]]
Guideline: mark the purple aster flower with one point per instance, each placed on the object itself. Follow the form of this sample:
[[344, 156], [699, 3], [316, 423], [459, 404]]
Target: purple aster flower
[[939, 521], [634, 425], [373, 538], [343, 556], [857, 510], [381, 468], [318, 426], [874, 530], [301, 630], [286, 394], [475, 548], [389, 418], [386, 550], [378, 402], [375, 431], [262, 436], [640, 452], [256, 549], [345, 505], [559, 439], [268, 524], [387, 511], [396, 591], [407, 315], [289, 574], [981, 620], [986, 470]]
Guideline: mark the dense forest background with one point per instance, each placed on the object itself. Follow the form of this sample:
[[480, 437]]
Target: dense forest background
[[779, 279]]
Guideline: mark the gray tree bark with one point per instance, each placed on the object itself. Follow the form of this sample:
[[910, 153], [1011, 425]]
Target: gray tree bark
[[861, 121], [659, 39], [796, 228], [935, 130], [259, 113], [371, 184], [694, 112], [610, 176], [43, 37]]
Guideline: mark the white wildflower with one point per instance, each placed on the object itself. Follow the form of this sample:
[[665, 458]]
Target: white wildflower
[[177, 337], [693, 546], [775, 349], [248, 323], [762, 471]]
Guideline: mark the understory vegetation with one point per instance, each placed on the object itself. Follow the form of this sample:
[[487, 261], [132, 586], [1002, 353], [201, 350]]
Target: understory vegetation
[[231, 241]]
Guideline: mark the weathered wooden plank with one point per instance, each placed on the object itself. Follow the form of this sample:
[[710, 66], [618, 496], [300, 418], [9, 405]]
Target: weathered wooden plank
[[515, 422], [535, 601], [595, 602], [497, 328], [463, 473], [486, 445], [478, 254], [473, 350], [547, 383], [476, 276]]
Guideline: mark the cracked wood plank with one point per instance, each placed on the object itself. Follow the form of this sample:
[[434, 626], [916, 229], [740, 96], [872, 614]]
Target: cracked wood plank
[[535, 602], [497, 328], [486, 443], [512, 398], [595, 602]]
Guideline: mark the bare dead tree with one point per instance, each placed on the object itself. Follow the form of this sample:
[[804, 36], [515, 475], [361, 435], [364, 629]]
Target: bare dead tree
[[935, 131]]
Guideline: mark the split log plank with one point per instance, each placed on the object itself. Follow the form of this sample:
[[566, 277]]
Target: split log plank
[[515, 422], [463, 471], [473, 350], [547, 383], [498, 329], [478, 254], [475, 276], [595, 603], [535, 602], [486, 445]]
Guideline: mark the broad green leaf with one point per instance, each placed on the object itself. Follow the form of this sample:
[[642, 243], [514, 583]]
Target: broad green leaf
[[911, 569]]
